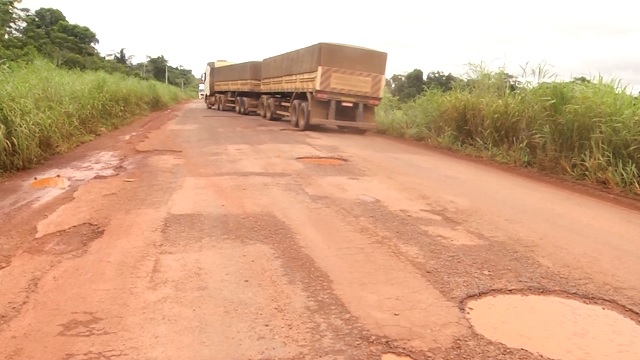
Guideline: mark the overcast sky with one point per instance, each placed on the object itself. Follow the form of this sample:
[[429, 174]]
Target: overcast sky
[[574, 38]]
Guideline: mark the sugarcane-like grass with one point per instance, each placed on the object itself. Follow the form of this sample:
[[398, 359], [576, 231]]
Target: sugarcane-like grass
[[46, 110]]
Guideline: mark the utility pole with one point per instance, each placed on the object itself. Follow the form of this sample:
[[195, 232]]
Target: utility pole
[[166, 74], [182, 82]]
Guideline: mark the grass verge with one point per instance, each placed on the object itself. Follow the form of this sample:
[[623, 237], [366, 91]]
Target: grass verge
[[589, 131], [45, 110]]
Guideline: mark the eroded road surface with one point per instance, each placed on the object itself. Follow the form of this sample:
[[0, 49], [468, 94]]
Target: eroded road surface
[[197, 234]]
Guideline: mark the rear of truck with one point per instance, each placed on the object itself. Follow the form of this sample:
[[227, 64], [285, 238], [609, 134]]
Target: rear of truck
[[349, 85], [335, 84]]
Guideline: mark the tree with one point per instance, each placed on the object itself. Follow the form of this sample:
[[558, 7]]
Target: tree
[[46, 32], [121, 57], [437, 80], [407, 87]]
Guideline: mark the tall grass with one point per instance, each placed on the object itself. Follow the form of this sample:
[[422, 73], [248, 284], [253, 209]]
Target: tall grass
[[45, 110], [589, 131]]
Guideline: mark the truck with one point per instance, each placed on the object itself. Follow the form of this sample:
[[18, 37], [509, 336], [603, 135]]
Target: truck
[[323, 84], [201, 91], [210, 94], [234, 86]]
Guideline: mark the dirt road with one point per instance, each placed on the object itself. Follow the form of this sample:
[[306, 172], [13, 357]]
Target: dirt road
[[197, 234]]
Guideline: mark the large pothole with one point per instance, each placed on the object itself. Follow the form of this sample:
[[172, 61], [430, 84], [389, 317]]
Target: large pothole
[[321, 160], [556, 327], [66, 241]]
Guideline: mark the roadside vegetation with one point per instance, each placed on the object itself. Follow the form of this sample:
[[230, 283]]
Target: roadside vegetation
[[57, 91], [587, 129]]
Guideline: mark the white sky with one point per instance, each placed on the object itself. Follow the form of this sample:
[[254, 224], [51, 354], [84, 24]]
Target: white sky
[[575, 38]]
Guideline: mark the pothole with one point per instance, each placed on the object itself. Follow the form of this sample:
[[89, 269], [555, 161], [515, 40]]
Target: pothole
[[321, 160], [556, 327], [391, 356], [50, 182], [66, 241]]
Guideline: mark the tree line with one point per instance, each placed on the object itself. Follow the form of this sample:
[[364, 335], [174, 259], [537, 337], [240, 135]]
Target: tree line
[[46, 33], [407, 87]]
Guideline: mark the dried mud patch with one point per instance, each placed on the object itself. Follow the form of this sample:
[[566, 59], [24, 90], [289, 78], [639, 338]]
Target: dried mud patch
[[560, 327], [588, 299], [65, 241]]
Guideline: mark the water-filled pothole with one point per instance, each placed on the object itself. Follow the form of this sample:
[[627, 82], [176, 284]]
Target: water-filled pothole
[[321, 160], [556, 327], [50, 182]]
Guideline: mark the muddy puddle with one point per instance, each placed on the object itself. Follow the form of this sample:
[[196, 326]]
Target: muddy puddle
[[49, 184], [555, 327]]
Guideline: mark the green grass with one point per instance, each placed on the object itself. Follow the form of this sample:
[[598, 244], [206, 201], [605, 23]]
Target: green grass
[[45, 110], [588, 131]]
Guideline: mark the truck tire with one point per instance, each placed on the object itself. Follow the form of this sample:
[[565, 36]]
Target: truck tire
[[270, 110], [218, 107], [293, 112], [303, 116], [262, 107], [237, 105], [244, 110], [221, 101]]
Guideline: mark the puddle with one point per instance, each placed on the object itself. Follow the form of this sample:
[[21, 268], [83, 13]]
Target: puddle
[[47, 185], [555, 327], [395, 357], [319, 160], [127, 137], [50, 182]]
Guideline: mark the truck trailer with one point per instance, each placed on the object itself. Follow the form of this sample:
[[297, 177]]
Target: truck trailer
[[233, 86], [323, 84]]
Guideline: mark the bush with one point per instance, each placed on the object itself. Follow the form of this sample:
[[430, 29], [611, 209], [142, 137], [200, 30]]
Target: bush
[[46, 110], [587, 130]]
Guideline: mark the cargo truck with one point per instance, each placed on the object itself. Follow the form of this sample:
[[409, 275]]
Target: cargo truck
[[210, 94], [234, 86], [323, 84]]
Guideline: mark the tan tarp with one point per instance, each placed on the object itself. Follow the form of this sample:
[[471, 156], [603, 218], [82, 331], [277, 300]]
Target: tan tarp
[[243, 71], [308, 59]]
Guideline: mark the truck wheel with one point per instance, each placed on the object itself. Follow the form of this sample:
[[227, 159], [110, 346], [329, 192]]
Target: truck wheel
[[293, 112], [303, 116], [262, 107], [221, 101], [237, 105], [218, 103], [271, 109], [244, 110]]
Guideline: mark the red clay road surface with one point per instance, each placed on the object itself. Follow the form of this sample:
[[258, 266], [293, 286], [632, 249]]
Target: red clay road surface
[[197, 234]]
